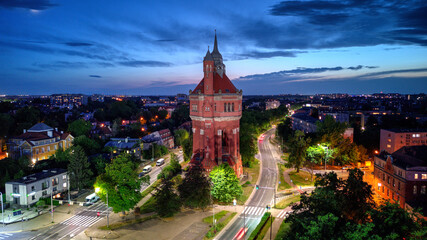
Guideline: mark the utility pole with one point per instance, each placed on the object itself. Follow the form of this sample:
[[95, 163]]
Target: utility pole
[[271, 226], [51, 199], [68, 184], [244, 222], [108, 211]]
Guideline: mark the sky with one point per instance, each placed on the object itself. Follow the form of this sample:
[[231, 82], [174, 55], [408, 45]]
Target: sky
[[157, 47]]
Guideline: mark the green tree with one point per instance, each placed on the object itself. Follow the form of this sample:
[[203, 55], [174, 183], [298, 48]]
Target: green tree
[[90, 146], [195, 188], [172, 169], [226, 185], [79, 169], [62, 157], [167, 201], [79, 127], [298, 145], [180, 136], [121, 182], [100, 164], [329, 129], [187, 147]]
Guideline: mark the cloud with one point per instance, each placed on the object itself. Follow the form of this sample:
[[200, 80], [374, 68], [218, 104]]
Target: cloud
[[78, 44], [61, 65], [136, 63], [258, 55], [29, 4], [31, 70], [383, 73], [95, 76]]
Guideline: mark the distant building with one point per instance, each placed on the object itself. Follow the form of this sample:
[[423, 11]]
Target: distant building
[[271, 104], [27, 191], [402, 176], [304, 122], [68, 99], [393, 139], [39, 142], [163, 137], [126, 145], [97, 98], [181, 97]]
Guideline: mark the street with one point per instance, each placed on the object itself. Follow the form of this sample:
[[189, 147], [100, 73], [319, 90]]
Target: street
[[262, 197]]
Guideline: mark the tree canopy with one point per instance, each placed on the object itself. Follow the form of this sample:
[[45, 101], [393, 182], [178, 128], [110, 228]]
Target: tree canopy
[[79, 169], [121, 182], [79, 127], [195, 188], [226, 185], [298, 145]]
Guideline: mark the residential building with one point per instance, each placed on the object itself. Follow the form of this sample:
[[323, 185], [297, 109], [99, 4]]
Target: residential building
[[39, 142], [26, 191], [127, 145], [402, 176], [163, 137], [68, 99], [394, 139], [304, 122], [215, 111], [97, 98]]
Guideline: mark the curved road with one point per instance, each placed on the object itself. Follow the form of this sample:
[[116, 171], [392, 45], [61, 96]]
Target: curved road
[[254, 210]]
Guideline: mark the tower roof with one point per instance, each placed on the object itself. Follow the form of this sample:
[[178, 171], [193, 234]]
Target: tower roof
[[215, 52], [208, 56], [219, 83]]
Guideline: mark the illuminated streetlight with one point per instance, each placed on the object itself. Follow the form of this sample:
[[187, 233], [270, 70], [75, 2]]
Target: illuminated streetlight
[[97, 190]]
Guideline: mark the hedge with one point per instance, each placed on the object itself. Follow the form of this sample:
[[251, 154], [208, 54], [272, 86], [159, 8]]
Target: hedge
[[261, 224]]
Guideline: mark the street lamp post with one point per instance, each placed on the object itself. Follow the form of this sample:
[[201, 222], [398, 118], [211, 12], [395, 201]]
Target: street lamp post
[[51, 200], [2, 210], [108, 219]]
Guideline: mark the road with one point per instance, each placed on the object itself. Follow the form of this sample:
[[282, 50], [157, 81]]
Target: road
[[85, 217], [256, 208]]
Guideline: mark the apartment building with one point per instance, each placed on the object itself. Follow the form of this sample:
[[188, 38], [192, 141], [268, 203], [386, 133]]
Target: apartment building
[[402, 176], [393, 139], [27, 191]]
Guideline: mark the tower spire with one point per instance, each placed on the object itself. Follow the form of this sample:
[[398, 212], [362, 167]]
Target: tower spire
[[215, 44]]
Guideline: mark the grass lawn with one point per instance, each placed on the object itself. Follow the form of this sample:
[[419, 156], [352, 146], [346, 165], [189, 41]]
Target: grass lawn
[[301, 179], [219, 226], [217, 216], [150, 188], [288, 201], [283, 230], [265, 228], [247, 190], [283, 184], [148, 206]]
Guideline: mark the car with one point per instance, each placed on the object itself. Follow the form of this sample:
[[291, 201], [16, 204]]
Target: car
[[160, 162], [91, 199]]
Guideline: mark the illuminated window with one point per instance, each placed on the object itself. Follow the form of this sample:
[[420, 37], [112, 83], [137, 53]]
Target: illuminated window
[[423, 189], [388, 146], [423, 176], [416, 176], [414, 190]]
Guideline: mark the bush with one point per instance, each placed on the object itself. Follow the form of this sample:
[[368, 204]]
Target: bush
[[261, 224]]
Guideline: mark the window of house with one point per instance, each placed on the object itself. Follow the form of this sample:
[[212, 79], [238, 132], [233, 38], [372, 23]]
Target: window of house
[[225, 107], [398, 185], [232, 107], [383, 189], [388, 146], [229, 107], [388, 179], [394, 184], [194, 108], [32, 188], [33, 197], [215, 107], [388, 192], [48, 148], [64, 176], [64, 185], [423, 189], [424, 176], [416, 176], [207, 109], [414, 190]]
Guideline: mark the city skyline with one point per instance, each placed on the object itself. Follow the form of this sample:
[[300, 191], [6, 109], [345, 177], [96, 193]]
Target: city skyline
[[268, 47]]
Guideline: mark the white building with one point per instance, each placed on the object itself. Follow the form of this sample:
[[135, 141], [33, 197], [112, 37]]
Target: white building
[[27, 191]]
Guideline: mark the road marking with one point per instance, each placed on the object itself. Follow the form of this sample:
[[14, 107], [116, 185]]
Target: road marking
[[282, 214], [69, 234]]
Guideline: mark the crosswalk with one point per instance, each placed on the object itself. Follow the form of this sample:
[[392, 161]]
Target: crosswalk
[[81, 220], [5, 235], [256, 211], [282, 214]]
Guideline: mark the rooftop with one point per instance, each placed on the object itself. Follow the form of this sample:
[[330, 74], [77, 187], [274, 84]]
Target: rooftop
[[400, 130], [38, 176]]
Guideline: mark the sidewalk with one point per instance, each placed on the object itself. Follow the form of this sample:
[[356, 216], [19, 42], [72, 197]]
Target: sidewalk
[[61, 213]]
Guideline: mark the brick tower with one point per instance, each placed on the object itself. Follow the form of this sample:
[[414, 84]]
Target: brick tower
[[215, 111]]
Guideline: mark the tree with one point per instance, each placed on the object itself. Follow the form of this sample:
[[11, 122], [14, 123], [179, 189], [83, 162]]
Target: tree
[[297, 150], [171, 169], [226, 185], [167, 201], [328, 129], [90, 146], [62, 157], [180, 136], [79, 169], [187, 147], [121, 182], [79, 127], [100, 164], [195, 188]]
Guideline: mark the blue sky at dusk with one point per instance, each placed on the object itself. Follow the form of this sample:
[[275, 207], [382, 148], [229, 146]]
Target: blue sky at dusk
[[157, 47]]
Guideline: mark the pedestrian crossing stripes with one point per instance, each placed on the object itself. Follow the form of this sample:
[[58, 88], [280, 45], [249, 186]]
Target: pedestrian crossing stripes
[[282, 214], [257, 211], [5, 235], [81, 221]]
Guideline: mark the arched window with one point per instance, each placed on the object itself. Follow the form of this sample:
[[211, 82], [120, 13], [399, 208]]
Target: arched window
[[225, 107], [232, 107], [229, 107]]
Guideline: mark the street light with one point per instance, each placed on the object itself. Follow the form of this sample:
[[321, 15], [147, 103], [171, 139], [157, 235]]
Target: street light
[[2, 214], [97, 189], [326, 148]]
